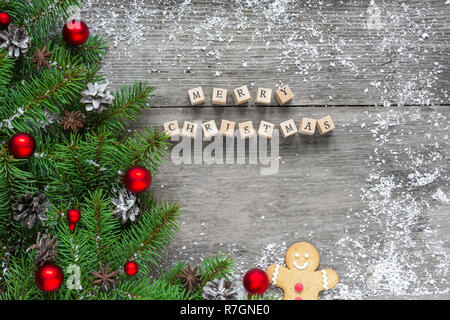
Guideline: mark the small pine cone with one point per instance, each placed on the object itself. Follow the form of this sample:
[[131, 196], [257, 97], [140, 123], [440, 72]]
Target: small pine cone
[[126, 206], [15, 40], [30, 207], [46, 249], [219, 289], [96, 97]]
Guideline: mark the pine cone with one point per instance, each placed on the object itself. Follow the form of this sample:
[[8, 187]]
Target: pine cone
[[219, 289], [96, 97], [15, 40], [126, 207], [29, 208], [46, 249]]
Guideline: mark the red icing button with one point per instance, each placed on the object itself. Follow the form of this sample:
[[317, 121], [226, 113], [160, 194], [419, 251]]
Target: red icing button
[[298, 299], [298, 287]]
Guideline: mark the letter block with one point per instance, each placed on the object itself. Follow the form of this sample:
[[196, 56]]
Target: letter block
[[227, 128], [266, 129], [284, 95], [241, 95], [264, 96], [307, 126], [196, 96], [246, 129], [219, 96], [210, 129], [172, 128], [288, 128], [189, 129], [325, 125]]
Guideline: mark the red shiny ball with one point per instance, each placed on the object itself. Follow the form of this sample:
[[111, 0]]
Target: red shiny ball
[[49, 277], [137, 179], [22, 145], [5, 19], [73, 215], [131, 268], [256, 281], [76, 32]]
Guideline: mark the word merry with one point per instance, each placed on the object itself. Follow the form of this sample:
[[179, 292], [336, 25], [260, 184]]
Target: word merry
[[241, 96], [246, 130]]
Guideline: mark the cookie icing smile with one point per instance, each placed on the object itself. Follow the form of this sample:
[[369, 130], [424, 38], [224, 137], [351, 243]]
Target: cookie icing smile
[[300, 267]]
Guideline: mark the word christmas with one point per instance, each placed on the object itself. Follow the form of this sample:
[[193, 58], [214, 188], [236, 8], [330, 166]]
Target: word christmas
[[241, 96], [246, 130]]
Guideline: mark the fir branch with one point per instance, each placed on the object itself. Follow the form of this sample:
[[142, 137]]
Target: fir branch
[[6, 67], [128, 105]]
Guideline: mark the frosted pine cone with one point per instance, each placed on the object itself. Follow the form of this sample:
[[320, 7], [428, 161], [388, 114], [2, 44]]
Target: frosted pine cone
[[97, 97], [46, 249], [126, 207], [15, 40], [219, 289], [30, 207]]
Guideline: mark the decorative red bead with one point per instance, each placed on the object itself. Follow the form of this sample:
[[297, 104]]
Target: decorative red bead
[[137, 179], [22, 145], [49, 277], [73, 217], [256, 281], [5, 19], [298, 287], [298, 299], [76, 32], [131, 268]]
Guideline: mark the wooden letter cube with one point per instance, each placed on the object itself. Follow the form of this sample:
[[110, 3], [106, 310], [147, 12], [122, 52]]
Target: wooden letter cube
[[288, 128], [284, 95], [266, 129], [189, 129], [219, 96], [210, 129], [227, 128], [172, 128], [196, 96], [307, 126], [325, 125], [264, 96], [246, 129], [241, 95]]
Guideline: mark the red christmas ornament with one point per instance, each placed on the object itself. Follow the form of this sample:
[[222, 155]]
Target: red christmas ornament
[[137, 179], [73, 216], [22, 145], [131, 268], [49, 277], [5, 19], [256, 281], [76, 32]]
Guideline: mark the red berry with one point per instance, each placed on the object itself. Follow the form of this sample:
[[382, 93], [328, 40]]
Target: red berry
[[138, 179], [131, 268], [49, 277], [5, 19]]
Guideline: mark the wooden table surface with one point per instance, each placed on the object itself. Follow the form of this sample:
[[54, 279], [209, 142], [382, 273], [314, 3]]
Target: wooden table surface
[[373, 196]]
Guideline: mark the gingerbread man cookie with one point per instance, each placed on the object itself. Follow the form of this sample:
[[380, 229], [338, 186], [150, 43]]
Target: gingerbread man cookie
[[300, 280]]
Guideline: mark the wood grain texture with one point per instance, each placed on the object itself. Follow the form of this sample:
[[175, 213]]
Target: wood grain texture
[[318, 193], [323, 50]]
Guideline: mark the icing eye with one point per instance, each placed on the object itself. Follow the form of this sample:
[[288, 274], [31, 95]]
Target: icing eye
[[306, 255], [296, 255]]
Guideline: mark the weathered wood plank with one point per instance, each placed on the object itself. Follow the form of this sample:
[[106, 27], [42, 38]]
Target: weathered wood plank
[[329, 53], [369, 196]]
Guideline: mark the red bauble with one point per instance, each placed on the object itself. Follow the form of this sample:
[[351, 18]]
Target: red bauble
[[76, 32], [22, 145], [256, 281], [137, 179], [73, 216], [5, 19], [131, 268], [49, 277]]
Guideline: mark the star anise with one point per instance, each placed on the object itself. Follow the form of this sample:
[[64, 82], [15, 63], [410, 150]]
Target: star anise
[[190, 278], [41, 57], [72, 120], [104, 278]]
